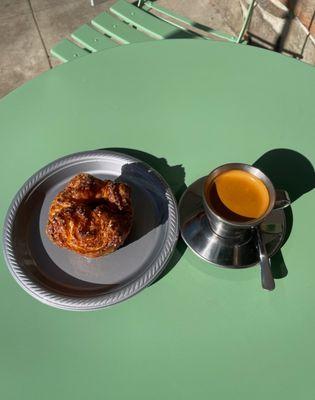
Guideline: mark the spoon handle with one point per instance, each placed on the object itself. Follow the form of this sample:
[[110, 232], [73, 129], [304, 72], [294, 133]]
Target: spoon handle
[[267, 281]]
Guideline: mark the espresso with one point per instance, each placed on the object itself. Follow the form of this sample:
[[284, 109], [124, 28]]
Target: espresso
[[238, 196]]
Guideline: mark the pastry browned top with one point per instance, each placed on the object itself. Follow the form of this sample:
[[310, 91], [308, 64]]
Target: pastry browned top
[[90, 216]]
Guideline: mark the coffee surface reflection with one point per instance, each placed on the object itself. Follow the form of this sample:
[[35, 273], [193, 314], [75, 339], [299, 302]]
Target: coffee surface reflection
[[238, 196]]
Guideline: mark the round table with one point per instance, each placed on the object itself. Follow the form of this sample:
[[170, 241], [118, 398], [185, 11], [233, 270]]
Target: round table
[[200, 332]]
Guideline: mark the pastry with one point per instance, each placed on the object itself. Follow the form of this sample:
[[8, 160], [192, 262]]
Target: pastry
[[90, 216]]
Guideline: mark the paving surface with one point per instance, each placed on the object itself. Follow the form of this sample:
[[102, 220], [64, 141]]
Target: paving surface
[[29, 28]]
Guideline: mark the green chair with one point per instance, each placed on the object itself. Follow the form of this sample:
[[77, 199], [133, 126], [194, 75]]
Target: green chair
[[128, 23]]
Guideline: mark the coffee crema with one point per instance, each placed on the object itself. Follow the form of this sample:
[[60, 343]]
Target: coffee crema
[[238, 196]]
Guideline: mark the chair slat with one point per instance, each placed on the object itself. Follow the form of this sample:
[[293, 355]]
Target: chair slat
[[147, 22], [118, 30], [92, 39], [67, 51]]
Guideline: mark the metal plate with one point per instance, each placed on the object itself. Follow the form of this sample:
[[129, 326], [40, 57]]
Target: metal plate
[[64, 279], [199, 237]]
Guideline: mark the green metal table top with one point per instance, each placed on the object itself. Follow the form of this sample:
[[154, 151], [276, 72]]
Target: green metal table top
[[200, 331]]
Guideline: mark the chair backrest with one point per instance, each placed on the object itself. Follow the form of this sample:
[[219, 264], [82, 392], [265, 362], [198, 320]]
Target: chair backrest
[[127, 23]]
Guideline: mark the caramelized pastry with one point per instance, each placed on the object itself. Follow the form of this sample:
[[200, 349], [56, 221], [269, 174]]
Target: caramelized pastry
[[90, 216]]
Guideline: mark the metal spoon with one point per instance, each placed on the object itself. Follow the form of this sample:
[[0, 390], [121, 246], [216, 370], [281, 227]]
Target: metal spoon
[[267, 281]]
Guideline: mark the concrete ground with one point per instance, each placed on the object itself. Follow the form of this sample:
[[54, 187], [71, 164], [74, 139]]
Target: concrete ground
[[29, 28]]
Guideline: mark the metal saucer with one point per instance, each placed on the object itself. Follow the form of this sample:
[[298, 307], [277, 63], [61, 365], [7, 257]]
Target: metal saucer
[[197, 234]]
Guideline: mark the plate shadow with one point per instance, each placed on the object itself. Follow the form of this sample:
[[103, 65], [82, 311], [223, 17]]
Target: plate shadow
[[174, 175]]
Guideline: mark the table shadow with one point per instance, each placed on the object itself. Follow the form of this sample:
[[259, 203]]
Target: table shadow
[[293, 172], [174, 175]]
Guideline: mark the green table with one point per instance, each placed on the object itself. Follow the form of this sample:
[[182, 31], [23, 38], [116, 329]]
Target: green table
[[199, 332]]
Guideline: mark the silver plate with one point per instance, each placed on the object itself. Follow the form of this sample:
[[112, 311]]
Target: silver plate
[[199, 237], [63, 279]]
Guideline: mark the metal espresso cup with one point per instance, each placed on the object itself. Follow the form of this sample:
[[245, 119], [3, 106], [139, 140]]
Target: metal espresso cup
[[241, 231]]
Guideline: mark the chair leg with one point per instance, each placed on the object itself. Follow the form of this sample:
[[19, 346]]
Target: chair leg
[[246, 21], [92, 3]]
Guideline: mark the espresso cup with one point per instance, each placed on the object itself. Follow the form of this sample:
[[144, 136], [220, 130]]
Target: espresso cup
[[240, 230]]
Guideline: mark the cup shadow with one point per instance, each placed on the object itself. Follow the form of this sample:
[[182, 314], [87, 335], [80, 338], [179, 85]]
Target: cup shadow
[[293, 172], [175, 178]]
